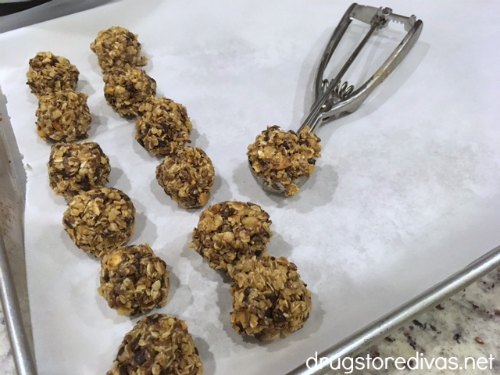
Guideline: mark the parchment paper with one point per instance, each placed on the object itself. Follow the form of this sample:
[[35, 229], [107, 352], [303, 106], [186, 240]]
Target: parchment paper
[[406, 193]]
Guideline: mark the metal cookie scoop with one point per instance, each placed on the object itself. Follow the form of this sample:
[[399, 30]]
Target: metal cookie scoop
[[334, 98]]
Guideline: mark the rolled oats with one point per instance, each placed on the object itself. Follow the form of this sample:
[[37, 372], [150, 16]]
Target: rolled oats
[[117, 47], [163, 126], [158, 344], [125, 89], [77, 167], [99, 220], [133, 279], [48, 73], [269, 298], [63, 116], [280, 157], [230, 231], [187, 175]]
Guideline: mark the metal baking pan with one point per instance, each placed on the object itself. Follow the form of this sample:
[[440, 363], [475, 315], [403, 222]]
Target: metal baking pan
[[20, 335], [347, 343]]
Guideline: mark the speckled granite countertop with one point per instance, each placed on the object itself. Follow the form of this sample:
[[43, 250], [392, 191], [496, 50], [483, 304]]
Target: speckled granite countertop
[[466, 325]]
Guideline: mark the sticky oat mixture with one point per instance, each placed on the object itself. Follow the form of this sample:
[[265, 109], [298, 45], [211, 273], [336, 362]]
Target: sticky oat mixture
[[48, 73], [134, 280], [163, 126], [230, 231], [117, 47], [187, 176], [77, 167], [99, 220], [280, 157], [158, 344], [269, 298], [63, 116], [125, 89]]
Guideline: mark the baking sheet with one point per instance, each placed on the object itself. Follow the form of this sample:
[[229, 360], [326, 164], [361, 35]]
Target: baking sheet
[[45, 11], [405, 193]]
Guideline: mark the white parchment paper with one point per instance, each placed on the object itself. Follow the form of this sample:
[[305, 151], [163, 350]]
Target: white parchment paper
[[406, 193]]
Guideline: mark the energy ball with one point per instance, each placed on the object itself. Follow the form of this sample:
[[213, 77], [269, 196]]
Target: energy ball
[[163, 126], [269, 298], [158, 344], [230, 231], [77, 167], [117, 47], [99, 220], [280, 157], [187, 176], [134, 280], [125, 89], [48, 73], [63, 116]]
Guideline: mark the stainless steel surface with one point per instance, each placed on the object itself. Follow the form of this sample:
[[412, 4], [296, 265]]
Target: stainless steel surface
[[350, 345], [334, 97], [368, 335], [13, 288], [13, 318], [47, 11]]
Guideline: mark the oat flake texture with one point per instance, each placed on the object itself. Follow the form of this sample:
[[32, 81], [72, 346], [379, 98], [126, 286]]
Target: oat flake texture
[[125, 89], [280, 157], [163, 126], [134, 280], [63, 116], [158, 345], [230, 231], [187, 176], [77, 167], [99, 220], [117, 47], [270, 300], [48, 73]]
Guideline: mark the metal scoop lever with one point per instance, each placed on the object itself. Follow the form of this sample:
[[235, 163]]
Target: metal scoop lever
[[334, 97]]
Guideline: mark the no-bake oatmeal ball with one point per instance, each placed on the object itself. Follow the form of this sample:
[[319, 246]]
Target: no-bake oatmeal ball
[[117, 47], [269, 298], [158, 344], [163, 126], [280, 157], [48, 73], [63, 116], [133, 279], [187, 176], [230, 231], [77, 167], [125, 89], [99, 220]]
